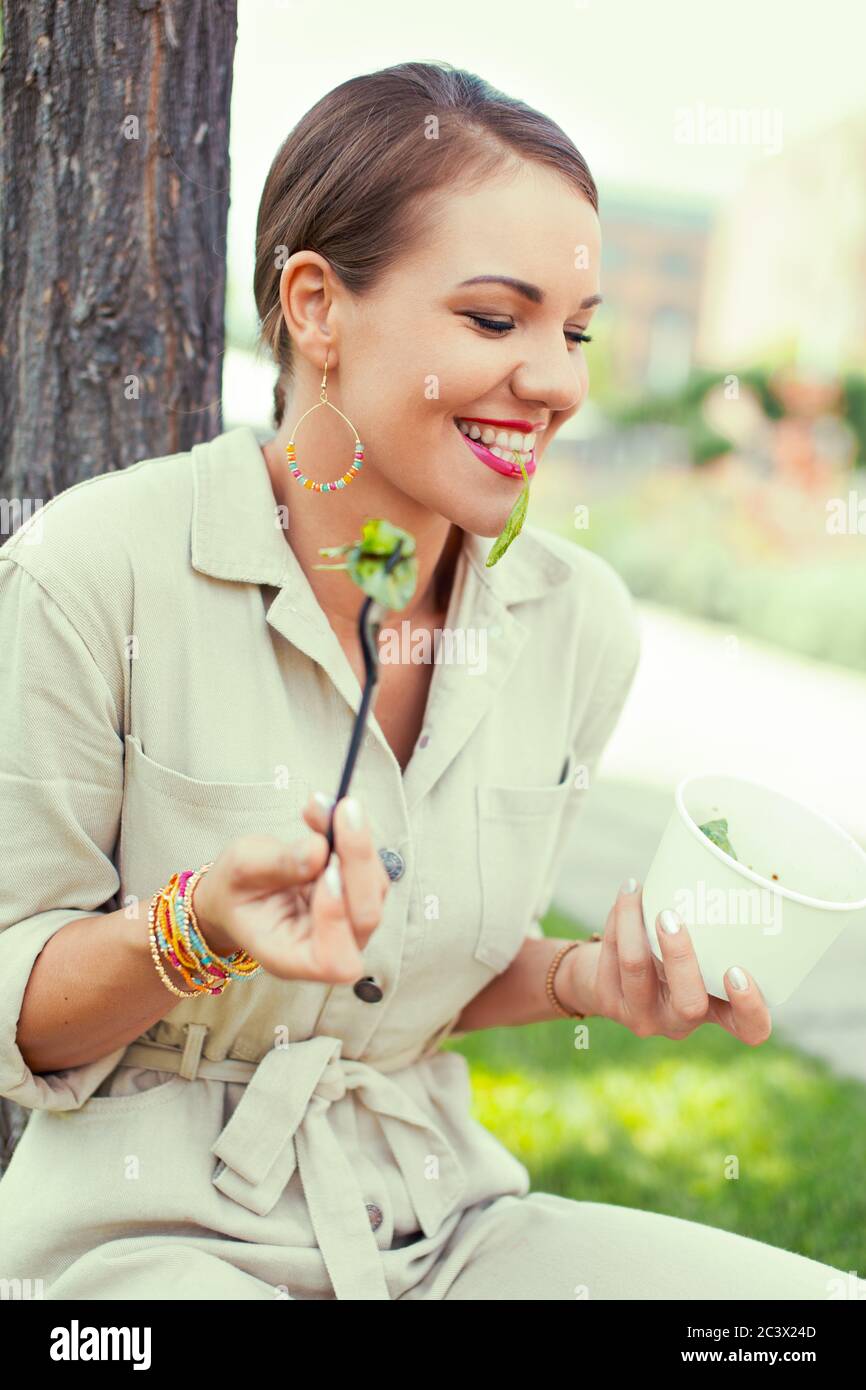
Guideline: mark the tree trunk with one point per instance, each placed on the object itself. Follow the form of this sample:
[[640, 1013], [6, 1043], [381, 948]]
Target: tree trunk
[[114, 194], [115, 176]]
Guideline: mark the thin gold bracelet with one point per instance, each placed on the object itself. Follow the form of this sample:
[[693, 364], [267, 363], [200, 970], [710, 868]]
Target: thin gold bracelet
[[554, 966]]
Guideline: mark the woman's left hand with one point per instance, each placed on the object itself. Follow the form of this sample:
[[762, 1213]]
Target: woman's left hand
[[667, 998]]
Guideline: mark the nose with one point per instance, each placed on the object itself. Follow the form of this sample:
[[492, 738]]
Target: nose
[[551, 378]]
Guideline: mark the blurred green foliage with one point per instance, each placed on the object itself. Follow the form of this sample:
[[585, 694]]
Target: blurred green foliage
[[651, 1123], [684, 408], [742, 551], [854, 410]]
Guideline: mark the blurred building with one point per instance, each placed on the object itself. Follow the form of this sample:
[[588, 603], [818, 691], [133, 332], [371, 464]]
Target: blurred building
[[653, 256], [786, 265]]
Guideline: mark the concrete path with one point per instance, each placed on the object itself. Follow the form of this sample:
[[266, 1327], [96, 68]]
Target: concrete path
[[705, 699]]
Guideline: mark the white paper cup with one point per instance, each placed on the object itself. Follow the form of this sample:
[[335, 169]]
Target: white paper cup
[[737, 913]]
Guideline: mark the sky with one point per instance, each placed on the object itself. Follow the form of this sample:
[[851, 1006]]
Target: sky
[[624, 78]]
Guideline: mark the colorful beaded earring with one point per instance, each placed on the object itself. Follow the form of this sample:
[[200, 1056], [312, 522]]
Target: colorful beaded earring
[[357, 460]]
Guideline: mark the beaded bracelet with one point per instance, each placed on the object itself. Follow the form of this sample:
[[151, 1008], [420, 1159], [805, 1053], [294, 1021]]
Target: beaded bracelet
[[174, 930], [554, 966], [238, 965], [202, 977], [188, 946], [151, 918]]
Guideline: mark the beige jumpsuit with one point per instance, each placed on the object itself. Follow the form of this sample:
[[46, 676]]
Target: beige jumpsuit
[[169, 682]]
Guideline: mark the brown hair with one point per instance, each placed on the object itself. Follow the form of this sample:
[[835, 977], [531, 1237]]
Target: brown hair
[[347, 181]]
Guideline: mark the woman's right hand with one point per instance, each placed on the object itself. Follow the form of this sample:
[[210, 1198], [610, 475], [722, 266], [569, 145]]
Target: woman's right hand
[[276, 900]]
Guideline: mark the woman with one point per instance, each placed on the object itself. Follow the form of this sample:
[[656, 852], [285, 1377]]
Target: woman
[[183, 678]]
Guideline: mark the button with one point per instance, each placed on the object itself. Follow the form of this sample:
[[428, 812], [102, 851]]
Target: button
[[394, 863], [423, 740], [368, 990], [375, 1215]]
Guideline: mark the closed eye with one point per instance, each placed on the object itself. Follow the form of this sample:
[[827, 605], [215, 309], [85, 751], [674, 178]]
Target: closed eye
[[496, 326]]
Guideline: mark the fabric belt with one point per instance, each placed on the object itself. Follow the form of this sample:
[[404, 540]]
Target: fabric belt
[[281, 1124]]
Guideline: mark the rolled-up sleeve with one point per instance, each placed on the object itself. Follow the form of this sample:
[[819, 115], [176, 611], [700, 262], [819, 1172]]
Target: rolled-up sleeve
[[61, 793]]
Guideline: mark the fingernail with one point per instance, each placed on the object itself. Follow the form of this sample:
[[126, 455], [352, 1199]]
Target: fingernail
[[332, 877], [669, 921], [628, 885], [326, 802], [737, 978], [354, 814]]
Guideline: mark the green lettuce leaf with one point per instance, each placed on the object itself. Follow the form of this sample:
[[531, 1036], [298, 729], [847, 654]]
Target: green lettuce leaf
[[515, 521], [717, 831], [365, 563]]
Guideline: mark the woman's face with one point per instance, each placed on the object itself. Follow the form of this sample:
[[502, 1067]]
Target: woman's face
[[413, 358]]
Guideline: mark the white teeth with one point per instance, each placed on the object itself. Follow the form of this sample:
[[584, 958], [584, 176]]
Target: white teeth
[[508, 457], [499, 440]]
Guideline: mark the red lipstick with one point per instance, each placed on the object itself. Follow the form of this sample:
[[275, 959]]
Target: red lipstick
[[523, 425]]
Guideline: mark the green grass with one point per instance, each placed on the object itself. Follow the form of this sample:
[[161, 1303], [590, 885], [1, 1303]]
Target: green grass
[[657, 1124]]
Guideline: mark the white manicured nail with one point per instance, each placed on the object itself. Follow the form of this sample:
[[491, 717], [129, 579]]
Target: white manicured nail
[[669, 921], [333, 878], [326, 802], [354, 814], [628, 885], [737, 978]]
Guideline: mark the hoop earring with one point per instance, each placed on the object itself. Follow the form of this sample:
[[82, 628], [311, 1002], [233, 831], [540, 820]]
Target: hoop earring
[[357, 460]]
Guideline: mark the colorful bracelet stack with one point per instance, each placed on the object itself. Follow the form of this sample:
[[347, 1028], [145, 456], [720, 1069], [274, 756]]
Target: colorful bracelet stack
[[175, 933]]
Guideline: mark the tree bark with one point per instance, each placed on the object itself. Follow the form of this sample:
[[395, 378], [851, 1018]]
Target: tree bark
[[114, 195], [114, 178]]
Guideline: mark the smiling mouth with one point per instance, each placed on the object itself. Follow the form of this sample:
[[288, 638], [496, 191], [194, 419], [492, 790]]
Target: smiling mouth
[[500, 457]]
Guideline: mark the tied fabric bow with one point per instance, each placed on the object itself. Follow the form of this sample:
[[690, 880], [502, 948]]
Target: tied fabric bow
[[281, 1125]]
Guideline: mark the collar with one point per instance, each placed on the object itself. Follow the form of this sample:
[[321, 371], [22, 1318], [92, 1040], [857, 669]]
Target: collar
[[236, 535]]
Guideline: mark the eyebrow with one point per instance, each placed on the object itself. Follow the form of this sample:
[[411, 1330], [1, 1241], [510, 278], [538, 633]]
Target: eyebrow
[[528, 291]]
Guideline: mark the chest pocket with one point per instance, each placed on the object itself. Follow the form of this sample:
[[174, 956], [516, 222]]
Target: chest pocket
[[173, 822], [517, 831]]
